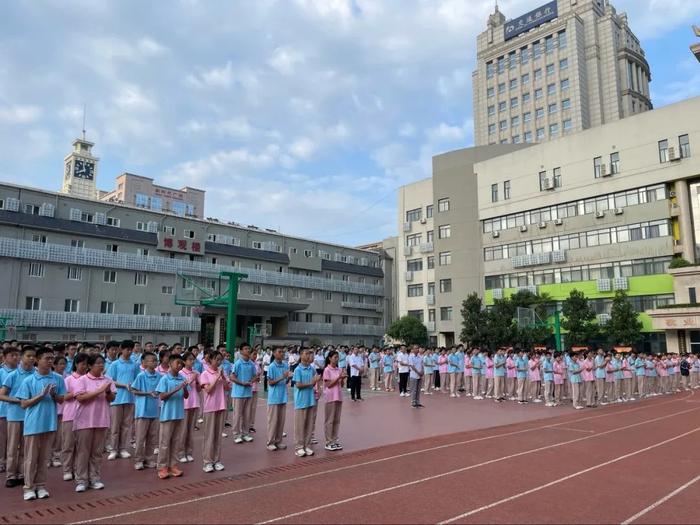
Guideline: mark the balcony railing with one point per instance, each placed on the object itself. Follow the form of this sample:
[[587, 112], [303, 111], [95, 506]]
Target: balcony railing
[[361, 329], [295, 327], [362, 306], [426, 247]]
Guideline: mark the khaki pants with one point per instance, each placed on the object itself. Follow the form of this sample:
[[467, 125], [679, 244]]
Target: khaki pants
[[641, 386], [332, 420], [443, 382], [120, 430], [146, 439], [476, 385], [241, 411], [548, 391], [3, 442], [589, 390], [303, 422], [373, 378], [510, 387], [167, 442], [489, 386], [186, 438], [275, 423], [15, 449], [600, 389], [213, 428], [521, 388], [576, 396], [498, 386], [557, 393], [37, 452], [467, 385], [388, 380], [67, 446], [453, 383], [565, 390], [693, 379], [88, 454], [534, 389], [253, 409]]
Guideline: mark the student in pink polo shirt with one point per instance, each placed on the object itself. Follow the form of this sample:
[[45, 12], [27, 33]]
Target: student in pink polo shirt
[[333, 380], [253, 405], [559, 369], [186, 436], [215, 385], [511, 374], [588, 377], [70, 408], [535, 378], [489, 375], [94, 393], [468, 387]]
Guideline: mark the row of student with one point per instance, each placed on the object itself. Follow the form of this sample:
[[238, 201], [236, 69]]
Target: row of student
[[40, 408]]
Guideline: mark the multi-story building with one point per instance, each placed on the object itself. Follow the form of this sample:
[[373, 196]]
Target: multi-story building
[[599, 211], [80, 268], [387, 252], [566, 66]]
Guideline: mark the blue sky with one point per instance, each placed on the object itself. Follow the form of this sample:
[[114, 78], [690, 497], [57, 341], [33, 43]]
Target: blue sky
[[302, 115]]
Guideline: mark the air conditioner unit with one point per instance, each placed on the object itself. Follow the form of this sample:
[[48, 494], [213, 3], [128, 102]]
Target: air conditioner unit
[[548, 184], [423, 220], [604, 171], [495, 234], [619, 211], [672, 155], [542, 225], [523, 228], [558, 222], [407, 226], [409, 276], [600, 214]]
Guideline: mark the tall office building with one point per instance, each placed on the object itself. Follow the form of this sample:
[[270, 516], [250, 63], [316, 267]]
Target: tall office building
[[564, 67]]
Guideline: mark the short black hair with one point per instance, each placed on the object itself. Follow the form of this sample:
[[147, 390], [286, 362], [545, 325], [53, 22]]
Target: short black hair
[[111, 344], [127, 344], [174, 357], [9, 350], [27, 348], [146, 354], [93, 358], [43, 350], [79, 358]]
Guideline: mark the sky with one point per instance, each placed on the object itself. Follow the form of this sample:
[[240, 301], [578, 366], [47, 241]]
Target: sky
[[299, 115]]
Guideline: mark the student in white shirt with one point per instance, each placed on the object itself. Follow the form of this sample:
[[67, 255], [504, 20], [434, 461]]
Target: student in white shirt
[[357, 366], [402, 361], [415, 364]]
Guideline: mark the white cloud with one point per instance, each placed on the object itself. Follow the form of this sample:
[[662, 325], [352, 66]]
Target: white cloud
[[19, 114], [284, 60], [216, 77], [303, 148]]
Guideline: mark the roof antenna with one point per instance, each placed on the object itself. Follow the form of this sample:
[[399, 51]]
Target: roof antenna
[[84, 111]]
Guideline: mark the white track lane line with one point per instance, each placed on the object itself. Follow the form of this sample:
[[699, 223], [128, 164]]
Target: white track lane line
[[566, 478], [373, 462], [661, 501], [467, 468]]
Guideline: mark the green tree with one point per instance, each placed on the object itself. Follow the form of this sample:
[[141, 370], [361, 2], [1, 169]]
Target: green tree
[[624, 326], [409, 330], [500, 328], [474, 321], [679, 262], [539, 332], [579, 319]]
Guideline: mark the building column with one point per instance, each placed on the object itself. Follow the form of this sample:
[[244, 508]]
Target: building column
[[685, 220]]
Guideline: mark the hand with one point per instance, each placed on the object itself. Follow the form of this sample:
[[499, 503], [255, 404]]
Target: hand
[[105, 387], [287, 374], [47, 389], [154, 395]]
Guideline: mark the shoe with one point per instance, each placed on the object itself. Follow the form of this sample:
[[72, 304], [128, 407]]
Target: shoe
[[309, 452], [29, 495], [238, 440], [208, 468], [176, 472], [183, 459], [251, 430], [80, 487], [284, 434], [42, 493], [112, 455], [224, 435], [247, 438], [454, 395], [420, 406], [537, 400], [218, 466], [578, 408], [631, 399], [331, 447], [338, 446], [281, 446], [150, 464], [124, 454], [163, 473], [190, 459], [55, 463], [314, 441], [271, 448], [300, 452], [200, 421], [138, 465], [155, 451], [67, 476], [11, 483], [227, 425], [97, 485]]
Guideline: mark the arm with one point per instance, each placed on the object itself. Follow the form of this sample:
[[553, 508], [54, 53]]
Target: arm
[[5, 396], [83, 397], [30, 402], [234, 379], [164, 396]]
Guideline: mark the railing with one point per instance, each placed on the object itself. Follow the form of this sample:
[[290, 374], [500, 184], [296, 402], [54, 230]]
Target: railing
[[426, 247], [361, 329], [362, 306], [95, 321], [295, 327]]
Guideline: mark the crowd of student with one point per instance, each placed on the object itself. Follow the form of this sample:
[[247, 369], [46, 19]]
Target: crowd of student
[[69, 405]]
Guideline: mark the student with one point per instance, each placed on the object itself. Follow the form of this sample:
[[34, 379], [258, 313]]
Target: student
[[576, 381], [173, 391], [548, 379], [535, 378], [123, 371], [356, 364], [415, 363], [627, 388], [468, 386], [403, 369], [616, 368], [15, 416], [253, 406], [600, 363], [374, 360], [640, 374], [489, 375], [521, 367], [94, 393], [39, 395], [511, 376], [277, 376], [10, 359], [499, 375], [588, 378], [186, 437], [428, 367], [442, 369], [304, 380], [242, 377], [454, 368], [59, 367], [70, 407], [558, 371], [214, 384], [478, 371], [146, 412], [388, 363], [333, 378]]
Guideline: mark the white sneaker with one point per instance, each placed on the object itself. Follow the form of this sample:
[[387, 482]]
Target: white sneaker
[[80, 487], [155, 451], [453, 395], [29, 495], [42, 493], [138, 465], [124, 454], [247, 438], [537, 400], [218, 466], [67, 476], [208, 468], [190, 459], [300, 452], [200, 421], [284, 434], [631, 399], [183, 459], [224, 435], [55, 463], [271, 448], [309, 452], [238, 440], [112, 455], [97, 485]]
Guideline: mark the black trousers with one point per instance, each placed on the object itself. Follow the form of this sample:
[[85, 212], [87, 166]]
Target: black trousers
[[356, 387], [403, 382], [436, 377]]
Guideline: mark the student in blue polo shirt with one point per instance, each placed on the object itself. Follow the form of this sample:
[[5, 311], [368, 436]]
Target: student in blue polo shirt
[[477, 375], [146, 421], [10, 359], [499, 375], [521, 369], [277, 376], [576, 380], [173, 390], [15, 416], [38, 394], [242, 377], [305, 378], [122, 371], [548, 379], [454, 368]]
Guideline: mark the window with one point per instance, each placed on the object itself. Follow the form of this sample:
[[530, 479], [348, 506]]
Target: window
[[684, 145], [489, 92], [257, 245], [75, 273], [443, 205], [615, 162], [506, 190], [431, 288], [328, 319], [527, 116], [109, 276], [156, 203], [550, 69], [663, 151], [525, 78], [257, 289], [139, 309], [538, 93], [112, 248], [539, 113], [345, 319], [552, 108], [556, 175], [562, 39], [515, 121], [71, 305], [36, 269], [444, 231], [494, 192], [414, 265], [280, 293], [492, 129], [537, 74], [170, 230], [166, 290], [503, 125], [536, 50], [445, 285], [540, 133], [692, 297], [553, 129], [429, 235], [549, 44], [564, 84], [524, 55], [37, 237], [566, 104], [501, 64], [418, 314], [178, 208], [501, 107], [411, 240], [513, 102], [141, 226], [516, 139], [566, 124], [446, 313], [308, 254], [445, 258], [429, 211], [513, 83], [501, 88], [551, 89], [33, 303], [596, 167], [564, 63], [77, 243], [491, 110], [415, 290], [188, 234], [512, 60], [489, 69], [430, 262], [543, 180], [141, 200], [308, 294], [413, 215], [526, 98], [143, 252], [106, 307], [31, 209], [140, 279]]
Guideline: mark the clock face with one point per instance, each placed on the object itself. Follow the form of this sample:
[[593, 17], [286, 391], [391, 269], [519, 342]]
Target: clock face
[[83, 169]]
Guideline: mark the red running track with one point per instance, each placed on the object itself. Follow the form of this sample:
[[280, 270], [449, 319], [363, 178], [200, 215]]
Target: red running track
[[604, 466]]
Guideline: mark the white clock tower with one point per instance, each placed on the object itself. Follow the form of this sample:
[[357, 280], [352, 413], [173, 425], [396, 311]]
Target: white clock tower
[[80, 171]]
